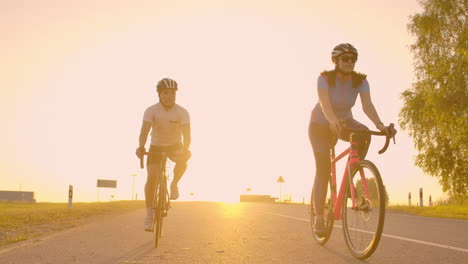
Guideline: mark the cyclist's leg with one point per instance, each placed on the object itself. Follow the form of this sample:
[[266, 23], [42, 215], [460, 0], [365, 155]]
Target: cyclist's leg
[[320, 137], [322, 173], [153, 170], [176, 155], [179, 170], [362, 140]]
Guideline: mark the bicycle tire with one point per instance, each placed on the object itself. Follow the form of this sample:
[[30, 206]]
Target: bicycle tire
[[160, 210], [328, 214], [365, 222], [155, 216]]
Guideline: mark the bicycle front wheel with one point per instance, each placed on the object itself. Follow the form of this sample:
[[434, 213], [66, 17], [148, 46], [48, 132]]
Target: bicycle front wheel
[[363, 215], [159, 212]]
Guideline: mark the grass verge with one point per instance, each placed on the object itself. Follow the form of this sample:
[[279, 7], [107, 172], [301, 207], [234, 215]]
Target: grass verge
[[454, 211], [443, 211], [22, 221]]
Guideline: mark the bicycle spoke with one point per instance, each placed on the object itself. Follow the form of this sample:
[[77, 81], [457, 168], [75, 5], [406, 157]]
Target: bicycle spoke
[[362, 225]]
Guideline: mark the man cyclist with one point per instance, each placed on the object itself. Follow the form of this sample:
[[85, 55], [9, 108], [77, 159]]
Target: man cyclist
[[337, 91], [169, 124]]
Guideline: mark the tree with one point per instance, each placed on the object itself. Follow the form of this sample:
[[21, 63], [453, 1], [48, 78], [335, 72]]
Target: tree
[[435, 111], [372, 188]]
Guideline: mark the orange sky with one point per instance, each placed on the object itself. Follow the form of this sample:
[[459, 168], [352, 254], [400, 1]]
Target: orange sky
[[78, 76]]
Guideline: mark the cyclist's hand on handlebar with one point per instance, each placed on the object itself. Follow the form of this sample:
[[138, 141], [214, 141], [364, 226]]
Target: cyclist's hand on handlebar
[[336, 127], [390, 131], [140, 151]]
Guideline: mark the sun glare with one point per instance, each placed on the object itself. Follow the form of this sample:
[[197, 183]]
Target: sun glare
[[232, 209]]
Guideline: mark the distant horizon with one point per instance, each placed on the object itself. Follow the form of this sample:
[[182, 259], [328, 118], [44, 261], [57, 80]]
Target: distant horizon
[[414, 202]]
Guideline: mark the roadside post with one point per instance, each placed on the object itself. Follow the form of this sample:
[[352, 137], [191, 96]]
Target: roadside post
[[409, 199], [280, 181], [430, 200], [133, 185], [70, 196], [421, 197]]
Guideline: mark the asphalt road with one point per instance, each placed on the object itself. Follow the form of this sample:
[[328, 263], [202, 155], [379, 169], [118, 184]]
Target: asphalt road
[[208, 232]]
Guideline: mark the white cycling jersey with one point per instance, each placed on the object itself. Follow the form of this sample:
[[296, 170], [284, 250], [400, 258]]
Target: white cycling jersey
[[166, 125]]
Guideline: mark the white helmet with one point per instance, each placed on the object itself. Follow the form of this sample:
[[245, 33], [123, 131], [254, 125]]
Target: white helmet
[[166, 83], [343, 48]]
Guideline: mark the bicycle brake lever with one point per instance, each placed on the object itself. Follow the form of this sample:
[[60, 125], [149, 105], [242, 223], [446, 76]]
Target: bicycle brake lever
[[394, 141]]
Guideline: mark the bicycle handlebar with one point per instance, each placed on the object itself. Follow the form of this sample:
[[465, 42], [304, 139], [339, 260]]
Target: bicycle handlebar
[[379, 133], [142, 160]]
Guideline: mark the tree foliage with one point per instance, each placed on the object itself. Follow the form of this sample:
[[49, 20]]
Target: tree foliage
[[372, 189], [435, 111]]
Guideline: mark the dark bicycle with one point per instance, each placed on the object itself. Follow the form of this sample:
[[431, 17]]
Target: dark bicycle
[[360, 202], [161, 202]]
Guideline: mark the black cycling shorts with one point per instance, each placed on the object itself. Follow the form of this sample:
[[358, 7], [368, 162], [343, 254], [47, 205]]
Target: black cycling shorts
[[155, 153]]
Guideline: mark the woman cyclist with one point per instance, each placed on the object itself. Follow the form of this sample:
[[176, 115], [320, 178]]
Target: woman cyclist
[[337, 91]]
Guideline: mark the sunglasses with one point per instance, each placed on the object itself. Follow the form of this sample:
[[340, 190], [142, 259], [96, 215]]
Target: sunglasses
[[348, 59]]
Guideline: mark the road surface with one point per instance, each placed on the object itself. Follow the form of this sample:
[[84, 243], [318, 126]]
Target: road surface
[[209, 232]]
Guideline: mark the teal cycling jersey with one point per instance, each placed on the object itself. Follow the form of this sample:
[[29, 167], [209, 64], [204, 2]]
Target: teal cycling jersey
[[342, 98]]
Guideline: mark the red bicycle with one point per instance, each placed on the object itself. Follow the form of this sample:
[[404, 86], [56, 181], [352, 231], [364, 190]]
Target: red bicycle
[[360, 202]]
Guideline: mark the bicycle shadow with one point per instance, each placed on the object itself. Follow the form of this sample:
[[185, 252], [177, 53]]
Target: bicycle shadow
[[345, 257]]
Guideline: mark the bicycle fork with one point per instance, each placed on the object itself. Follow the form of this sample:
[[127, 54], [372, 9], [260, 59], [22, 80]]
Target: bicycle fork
[[353, 160], [348, 180]]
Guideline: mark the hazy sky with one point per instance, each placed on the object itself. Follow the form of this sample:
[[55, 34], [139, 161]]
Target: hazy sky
[[76, 77]]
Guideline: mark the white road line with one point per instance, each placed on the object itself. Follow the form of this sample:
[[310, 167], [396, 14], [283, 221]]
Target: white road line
[[389, 236], [287, 216]]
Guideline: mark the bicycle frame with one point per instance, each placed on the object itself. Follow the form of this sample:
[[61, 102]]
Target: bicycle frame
[[353, 158], [162, 178]]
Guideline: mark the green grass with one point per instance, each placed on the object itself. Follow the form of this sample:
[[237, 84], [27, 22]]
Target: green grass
[[443, 211], [22, 221]]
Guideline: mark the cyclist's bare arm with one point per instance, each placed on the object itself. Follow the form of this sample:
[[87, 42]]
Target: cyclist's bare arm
[[187, 137], [369, 109], [145, 129]]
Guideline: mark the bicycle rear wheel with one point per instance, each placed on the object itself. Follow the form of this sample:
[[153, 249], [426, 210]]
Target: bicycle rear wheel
[[363, 222], [328, 214]]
